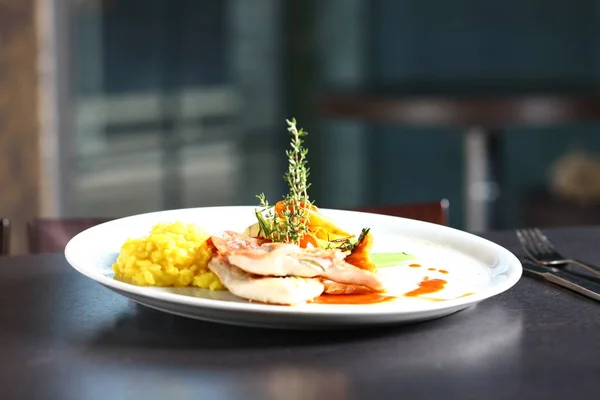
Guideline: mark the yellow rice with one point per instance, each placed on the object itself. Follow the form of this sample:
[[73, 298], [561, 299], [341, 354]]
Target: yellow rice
[[173, 254]]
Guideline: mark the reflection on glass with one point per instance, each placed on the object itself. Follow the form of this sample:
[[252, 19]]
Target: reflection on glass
[[166, 95]]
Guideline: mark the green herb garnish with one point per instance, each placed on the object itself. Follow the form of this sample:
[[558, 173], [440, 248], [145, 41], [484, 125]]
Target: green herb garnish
[[289, 225]]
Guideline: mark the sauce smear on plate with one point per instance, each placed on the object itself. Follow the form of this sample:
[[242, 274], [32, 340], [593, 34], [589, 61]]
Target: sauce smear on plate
[[427, 286], [362, 298]]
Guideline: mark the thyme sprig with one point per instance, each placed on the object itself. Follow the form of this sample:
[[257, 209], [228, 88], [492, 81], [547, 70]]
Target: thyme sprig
[[297, 173], [289, 225]]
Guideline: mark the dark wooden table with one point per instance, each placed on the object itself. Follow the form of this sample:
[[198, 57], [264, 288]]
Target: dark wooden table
[[65, 337], [480, 111]]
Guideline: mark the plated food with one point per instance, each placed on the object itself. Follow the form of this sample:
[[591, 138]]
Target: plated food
[[291, 255], [172, 254], [447, 270]]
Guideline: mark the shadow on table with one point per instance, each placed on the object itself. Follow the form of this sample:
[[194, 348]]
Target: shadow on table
[[465, 339], [149, 328]]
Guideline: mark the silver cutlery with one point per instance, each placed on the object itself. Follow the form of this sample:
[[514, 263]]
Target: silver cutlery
[[580, 285], [542, 251]]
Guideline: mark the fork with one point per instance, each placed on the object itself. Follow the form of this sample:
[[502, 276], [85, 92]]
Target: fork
[[541, 250]]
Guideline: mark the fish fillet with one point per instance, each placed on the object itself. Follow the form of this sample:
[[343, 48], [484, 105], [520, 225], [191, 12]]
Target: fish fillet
[[227, 241], [274, 259], [274, 290]]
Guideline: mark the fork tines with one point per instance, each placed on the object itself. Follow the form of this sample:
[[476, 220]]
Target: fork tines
[[535, 242]]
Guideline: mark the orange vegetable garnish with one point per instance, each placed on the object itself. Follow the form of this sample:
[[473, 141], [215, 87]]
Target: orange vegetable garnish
[[308, 239], [361, 254]]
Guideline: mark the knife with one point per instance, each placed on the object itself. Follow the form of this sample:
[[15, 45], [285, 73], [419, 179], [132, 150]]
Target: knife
[[580, 285]]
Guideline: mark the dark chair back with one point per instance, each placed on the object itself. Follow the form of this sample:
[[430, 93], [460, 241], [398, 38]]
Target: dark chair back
[[436, 212], [4, 236], [52, 235]]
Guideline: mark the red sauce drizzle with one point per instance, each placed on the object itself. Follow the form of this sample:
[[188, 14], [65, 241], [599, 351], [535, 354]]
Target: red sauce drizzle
[[427, 286], [443, 271], [430, 269], [363, 298], [211, 245], [414, 265]]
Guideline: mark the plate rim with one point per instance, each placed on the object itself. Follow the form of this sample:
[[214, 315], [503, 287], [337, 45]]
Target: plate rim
[[514, 267]]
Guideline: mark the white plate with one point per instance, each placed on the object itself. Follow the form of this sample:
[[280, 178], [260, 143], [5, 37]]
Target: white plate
[[475, 266]]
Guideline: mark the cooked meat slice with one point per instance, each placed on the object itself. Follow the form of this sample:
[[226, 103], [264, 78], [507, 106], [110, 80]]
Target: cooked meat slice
[[279, 259], [273, 290]]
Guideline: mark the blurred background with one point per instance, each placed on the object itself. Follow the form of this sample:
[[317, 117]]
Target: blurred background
[[118, 107]]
